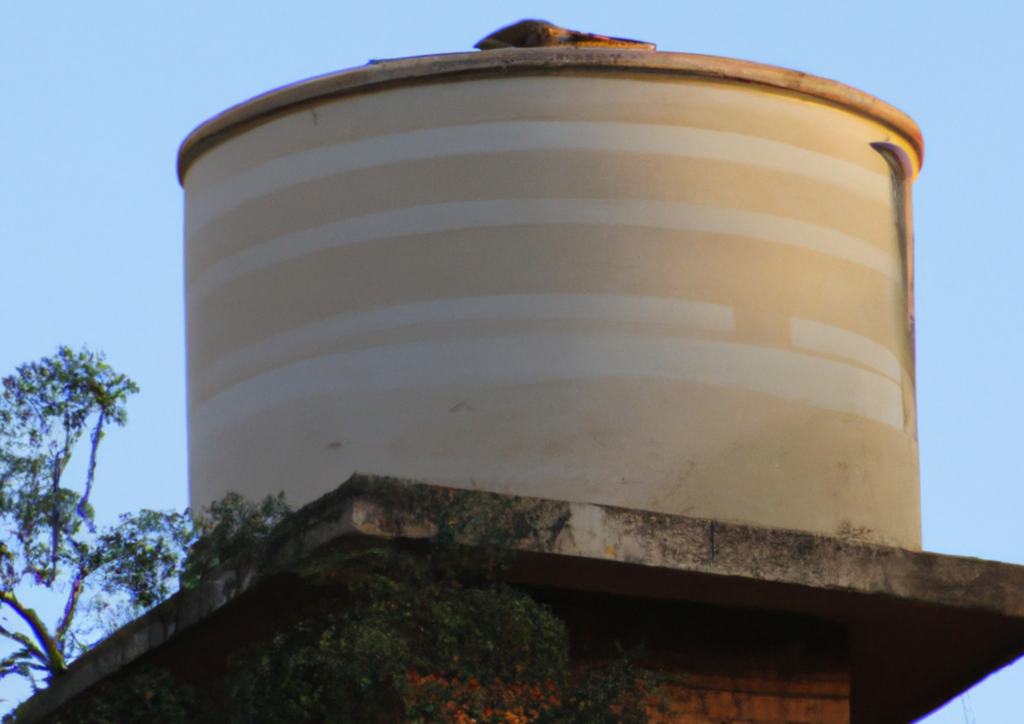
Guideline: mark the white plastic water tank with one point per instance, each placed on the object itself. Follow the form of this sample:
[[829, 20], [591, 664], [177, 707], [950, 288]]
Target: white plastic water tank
[[667, 282]]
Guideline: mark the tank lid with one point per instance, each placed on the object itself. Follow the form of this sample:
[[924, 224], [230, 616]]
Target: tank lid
[[559, 57], [542, 34]]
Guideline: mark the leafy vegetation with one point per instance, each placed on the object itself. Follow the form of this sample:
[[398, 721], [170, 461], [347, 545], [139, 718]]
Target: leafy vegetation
[[429, 640], [227, 528], [410, 639], [50, 542], [151, 696]]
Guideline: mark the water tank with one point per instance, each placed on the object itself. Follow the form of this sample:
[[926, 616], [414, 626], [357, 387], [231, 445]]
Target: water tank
[[667, 282]]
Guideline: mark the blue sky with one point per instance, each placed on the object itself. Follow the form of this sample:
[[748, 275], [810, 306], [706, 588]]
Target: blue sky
[[96, 97]]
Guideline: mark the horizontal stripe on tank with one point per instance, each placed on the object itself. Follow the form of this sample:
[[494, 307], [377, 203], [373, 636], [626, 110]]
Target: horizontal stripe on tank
[[285, 349], [540, 175], [745, 111], [608, 309], [512, 136], [527, 359], [832, 340], [440, 218], [744, 274], [454, 319]]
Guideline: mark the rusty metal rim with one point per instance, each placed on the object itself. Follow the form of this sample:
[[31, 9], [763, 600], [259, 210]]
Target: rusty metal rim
[[534, 61]]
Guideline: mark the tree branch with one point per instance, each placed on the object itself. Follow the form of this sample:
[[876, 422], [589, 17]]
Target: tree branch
[[52, 658], [31, 649], [58, 469], [70, 607], [11, 664], [97, 435]]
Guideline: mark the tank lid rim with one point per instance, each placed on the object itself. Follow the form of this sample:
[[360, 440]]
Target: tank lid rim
[[378, 75]]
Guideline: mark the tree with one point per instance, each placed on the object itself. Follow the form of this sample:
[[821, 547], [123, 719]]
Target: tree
[[49, 539], [227, 528], [420, 638]]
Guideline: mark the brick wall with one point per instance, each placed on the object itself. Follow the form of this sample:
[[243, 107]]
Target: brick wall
[[721, 665], [752, 699]]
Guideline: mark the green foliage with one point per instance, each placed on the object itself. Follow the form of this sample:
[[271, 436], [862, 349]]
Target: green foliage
[[151, 696], [619, 693], [46, 409], [228, 527], [413, 639], [408, 640], [428, 640], [50, 541], [137, 564], [406, 617]]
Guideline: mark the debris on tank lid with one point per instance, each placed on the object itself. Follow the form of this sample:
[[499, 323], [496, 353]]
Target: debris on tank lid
[[541, 34]]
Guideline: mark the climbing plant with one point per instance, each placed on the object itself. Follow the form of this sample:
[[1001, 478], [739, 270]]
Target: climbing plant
[[150, 696], [429, 640]]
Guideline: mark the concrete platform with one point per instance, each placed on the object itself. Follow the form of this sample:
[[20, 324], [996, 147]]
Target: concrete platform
[[915, 629]]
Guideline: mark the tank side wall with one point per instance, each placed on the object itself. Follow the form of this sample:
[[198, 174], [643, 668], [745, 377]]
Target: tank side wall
[[675, 296]]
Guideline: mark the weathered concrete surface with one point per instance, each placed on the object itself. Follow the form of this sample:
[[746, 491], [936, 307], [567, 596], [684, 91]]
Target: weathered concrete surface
[[921, 627]]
